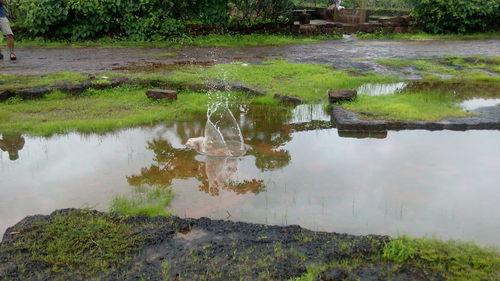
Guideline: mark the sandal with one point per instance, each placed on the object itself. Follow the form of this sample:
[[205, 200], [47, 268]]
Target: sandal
[[13, 56]]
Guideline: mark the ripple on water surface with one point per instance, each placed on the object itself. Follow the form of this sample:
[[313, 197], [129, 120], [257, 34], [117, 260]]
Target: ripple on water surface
[[413, 182]]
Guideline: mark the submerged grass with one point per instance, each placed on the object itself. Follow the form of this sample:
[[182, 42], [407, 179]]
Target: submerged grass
[[146, 201], [426, 106]]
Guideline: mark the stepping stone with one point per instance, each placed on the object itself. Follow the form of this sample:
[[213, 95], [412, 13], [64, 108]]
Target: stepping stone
[[341, 95], [159, 94]]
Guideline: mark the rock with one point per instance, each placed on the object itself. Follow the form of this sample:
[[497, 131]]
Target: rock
[[34, 93], [246, 90], [289, 99], [334, 274], [158, 94], [71, 89], [341, 95]]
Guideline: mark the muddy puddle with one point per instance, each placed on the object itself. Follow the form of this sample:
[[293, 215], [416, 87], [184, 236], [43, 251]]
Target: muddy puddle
[[299, 170]]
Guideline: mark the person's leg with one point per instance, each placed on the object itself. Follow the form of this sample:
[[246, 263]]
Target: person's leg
[[9, 36], [10, 43]]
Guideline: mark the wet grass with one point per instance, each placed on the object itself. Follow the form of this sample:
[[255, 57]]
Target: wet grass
[[144, 200], [451, 260], [429, 36], [81, 243], [96, 111], [426, 106], [212, 40], [307, 81]]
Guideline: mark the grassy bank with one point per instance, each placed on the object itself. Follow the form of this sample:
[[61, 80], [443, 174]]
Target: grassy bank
[[95, 111], [88, 245], [434, 259], [104, 110], [427, 106], [213, 40]]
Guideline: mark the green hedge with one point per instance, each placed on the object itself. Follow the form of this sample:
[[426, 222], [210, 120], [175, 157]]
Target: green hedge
[[462, 16], [138, 19]]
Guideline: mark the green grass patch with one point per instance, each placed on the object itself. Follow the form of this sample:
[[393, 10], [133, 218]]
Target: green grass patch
[[307, 81], [96, 111], [453, 260], [212, 40], [81, 243], [429, 36], [426, 106], [145, 201]]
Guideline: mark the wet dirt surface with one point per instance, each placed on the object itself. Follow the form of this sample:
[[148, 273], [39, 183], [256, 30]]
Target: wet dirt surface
[[204, 249], [341, 54]]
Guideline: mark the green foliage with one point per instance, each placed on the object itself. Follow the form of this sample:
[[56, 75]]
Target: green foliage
[[454, 260], [146, 201], [139, 20], [383, 4], [80, 243], [439, 16]]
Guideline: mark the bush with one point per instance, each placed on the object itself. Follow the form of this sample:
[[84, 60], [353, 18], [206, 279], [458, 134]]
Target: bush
[[138, 20], [439, 16]]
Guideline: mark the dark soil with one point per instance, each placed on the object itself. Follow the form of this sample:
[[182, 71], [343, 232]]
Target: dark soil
[[204, 249]]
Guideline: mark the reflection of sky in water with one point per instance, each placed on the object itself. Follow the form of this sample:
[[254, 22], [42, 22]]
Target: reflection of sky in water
[[413, 182], [476, 103], [307, 112], [372, 89]]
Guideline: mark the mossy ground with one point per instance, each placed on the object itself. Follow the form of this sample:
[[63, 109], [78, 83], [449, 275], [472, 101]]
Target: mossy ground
[[83, 243]]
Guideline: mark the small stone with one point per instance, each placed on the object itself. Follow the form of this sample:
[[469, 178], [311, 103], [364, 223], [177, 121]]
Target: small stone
[[334, 274], [341, 95], [158, 94]]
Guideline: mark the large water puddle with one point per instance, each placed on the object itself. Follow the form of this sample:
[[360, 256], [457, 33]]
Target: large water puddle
[[299, 171]]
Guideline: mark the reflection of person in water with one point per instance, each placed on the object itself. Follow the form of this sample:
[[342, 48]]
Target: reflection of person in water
[[12, 144]]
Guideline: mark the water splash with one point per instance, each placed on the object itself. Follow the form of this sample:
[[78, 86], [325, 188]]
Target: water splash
[[223, 135]]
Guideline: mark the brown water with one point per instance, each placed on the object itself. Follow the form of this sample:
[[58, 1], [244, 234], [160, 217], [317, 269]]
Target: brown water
[[299, 171]]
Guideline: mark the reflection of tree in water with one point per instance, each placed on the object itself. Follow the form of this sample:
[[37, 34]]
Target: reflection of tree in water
[[12, 143], [215, 173]]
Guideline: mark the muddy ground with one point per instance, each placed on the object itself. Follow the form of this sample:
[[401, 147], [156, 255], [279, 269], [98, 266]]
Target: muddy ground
[[204, 249], [341, 54]]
